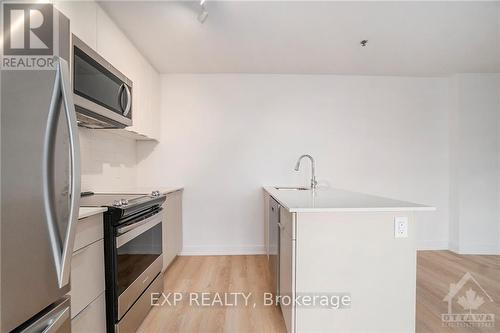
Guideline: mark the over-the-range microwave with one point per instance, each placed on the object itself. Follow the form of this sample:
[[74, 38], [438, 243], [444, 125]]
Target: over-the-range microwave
[[102, 94]]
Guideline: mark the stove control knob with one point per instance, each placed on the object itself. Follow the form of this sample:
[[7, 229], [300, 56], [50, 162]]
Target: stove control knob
[[124, 202], [117, 203], [155, 193]]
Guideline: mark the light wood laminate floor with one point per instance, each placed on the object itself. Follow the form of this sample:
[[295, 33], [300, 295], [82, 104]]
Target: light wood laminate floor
[[221, 274], [224, 274], [436, 270]]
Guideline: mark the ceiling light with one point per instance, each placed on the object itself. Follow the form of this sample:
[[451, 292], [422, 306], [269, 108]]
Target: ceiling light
[[204, 12]]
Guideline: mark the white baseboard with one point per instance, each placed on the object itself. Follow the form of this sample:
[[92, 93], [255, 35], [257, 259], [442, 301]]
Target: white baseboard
[[453, 247], [476, 248], [260, 249], [432, 245], [223, 250]]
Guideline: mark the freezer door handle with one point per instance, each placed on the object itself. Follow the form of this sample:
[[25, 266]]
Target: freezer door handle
[[55, 323], [61, 248], [54, 320]]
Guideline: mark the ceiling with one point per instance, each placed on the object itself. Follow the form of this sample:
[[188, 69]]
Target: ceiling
[[309, 37]]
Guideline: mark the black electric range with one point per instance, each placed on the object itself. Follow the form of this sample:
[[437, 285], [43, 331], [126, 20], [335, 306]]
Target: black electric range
[[133, 255], [121, 206]]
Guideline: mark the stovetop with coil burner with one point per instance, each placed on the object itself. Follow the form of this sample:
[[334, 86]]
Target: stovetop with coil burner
[[123, 205]]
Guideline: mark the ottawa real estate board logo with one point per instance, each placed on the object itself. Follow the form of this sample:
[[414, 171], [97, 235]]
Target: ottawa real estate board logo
[[465, 299], [27, 36]]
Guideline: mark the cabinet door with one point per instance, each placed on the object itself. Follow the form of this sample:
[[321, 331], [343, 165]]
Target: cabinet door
[[155, 112], [83, 16], [267, 199], [115, 47], [287, 268], [92, 318], [88, 231], [87, 276], [172, 231]]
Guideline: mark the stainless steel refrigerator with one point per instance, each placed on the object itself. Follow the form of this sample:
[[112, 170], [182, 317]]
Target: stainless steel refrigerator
[[40, 193]]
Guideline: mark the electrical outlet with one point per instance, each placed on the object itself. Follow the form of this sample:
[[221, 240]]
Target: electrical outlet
[[401, 227]]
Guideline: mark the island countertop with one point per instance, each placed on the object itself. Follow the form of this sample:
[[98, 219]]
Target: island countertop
[[337, 200]]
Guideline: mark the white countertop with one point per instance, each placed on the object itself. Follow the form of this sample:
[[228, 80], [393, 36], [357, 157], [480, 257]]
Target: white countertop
[[143, 190], [336, 200], [89, 211]]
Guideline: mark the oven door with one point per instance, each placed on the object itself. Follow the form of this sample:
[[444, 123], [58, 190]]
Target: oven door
[[138, 258]]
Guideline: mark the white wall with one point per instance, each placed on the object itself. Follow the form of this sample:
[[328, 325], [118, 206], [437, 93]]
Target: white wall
[[108, 161], [224, 136], [475, 165]]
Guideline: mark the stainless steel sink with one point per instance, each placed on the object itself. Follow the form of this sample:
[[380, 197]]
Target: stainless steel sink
[[291, 188]]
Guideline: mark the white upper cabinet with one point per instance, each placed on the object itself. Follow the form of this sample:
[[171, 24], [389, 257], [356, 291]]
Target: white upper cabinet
[[82, 15], [150, 100], [115, 47], [93, 25]]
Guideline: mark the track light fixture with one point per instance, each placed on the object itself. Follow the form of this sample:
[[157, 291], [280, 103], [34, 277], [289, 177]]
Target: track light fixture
[[203, 11]]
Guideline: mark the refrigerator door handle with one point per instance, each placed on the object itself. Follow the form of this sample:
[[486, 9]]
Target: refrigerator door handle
[[69, 107], [61, 249]]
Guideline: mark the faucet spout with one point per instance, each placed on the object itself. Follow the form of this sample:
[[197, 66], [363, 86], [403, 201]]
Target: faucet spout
[[314, 183]]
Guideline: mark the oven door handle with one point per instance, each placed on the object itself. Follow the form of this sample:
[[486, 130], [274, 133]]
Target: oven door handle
[[129, 232]]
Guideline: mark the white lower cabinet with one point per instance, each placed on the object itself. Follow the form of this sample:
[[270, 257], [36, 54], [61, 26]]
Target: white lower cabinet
[[88, 309], [287, 268], [88, 231], [87, 276], [172, 227], [92, 318]]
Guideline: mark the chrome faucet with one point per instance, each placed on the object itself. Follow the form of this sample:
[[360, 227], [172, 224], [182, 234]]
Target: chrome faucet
[[314, 183]]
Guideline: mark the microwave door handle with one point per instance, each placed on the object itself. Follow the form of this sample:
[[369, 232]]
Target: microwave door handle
[[61, 249], [129, 101], [121, 90]]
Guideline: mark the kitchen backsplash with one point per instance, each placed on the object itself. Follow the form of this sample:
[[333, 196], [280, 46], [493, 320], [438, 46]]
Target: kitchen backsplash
[[108, 161]]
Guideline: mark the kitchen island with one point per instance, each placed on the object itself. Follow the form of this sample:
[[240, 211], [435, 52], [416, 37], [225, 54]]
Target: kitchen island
[[346, 246]]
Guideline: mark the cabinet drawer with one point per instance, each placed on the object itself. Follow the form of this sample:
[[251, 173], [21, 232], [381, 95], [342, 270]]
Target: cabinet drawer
[[92, 318], [88, 230], [87, 276]]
